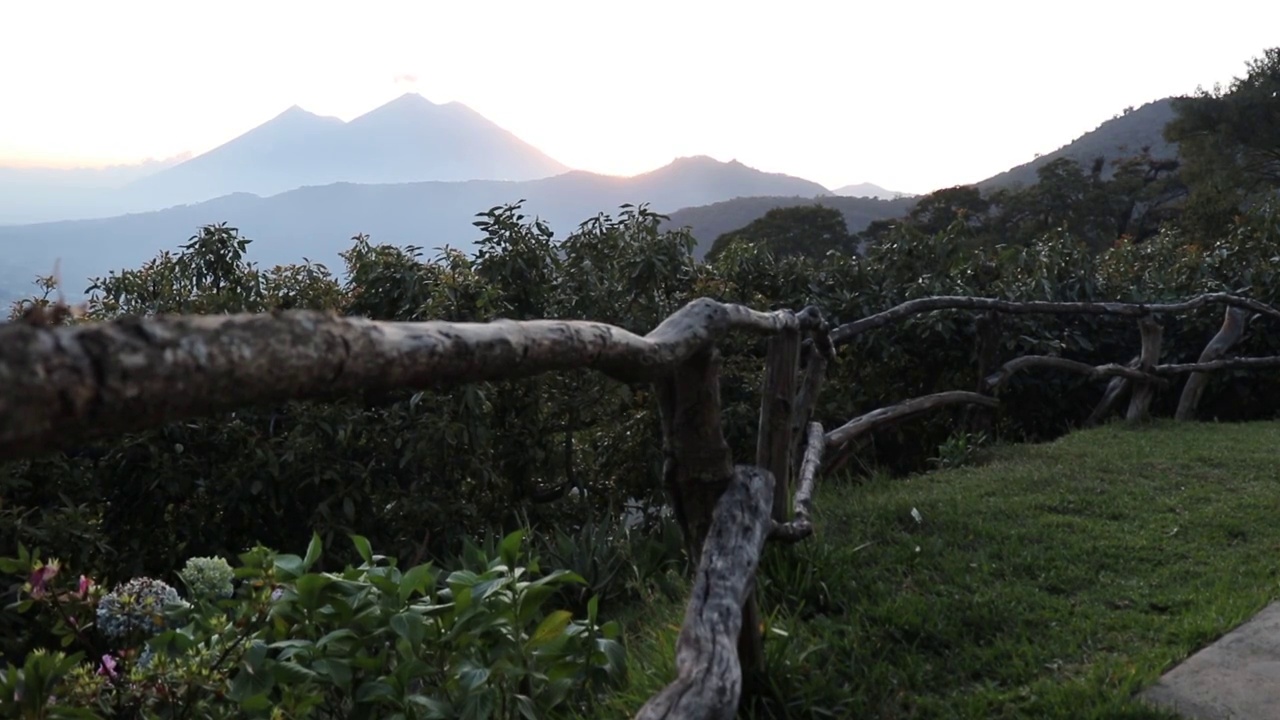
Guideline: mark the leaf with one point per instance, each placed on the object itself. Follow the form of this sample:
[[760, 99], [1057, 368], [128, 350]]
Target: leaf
[[336, 635], [509, 550], [308, 588], [375, 691], [472, 677], [417, 580], [290, 673], [337, 670], [363, 547], [313, 551], [288, 567], [531, 600], [550, 628], [409, 626]]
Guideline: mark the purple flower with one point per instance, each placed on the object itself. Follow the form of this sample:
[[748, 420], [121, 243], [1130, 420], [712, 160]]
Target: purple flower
[[39, 580], [108, 667]]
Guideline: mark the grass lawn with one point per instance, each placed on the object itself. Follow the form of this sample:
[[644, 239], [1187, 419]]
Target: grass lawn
[[1054, 581]]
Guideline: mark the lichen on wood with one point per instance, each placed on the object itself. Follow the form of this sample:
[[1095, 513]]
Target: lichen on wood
[[708, 681]]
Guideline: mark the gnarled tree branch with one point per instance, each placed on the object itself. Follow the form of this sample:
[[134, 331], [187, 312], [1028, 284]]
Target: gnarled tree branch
[[848, 331], [1240, 363], [999, 379], [1233, 324], [61, 385], [708, 680], [862, 424]]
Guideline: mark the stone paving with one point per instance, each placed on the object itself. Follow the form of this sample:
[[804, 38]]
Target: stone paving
[[1235, 678]]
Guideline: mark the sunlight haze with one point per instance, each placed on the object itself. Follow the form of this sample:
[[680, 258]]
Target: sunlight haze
[[912, 96]]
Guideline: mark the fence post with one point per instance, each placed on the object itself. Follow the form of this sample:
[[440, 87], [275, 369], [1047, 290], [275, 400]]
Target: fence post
[[1143, 391], [1233, 324]]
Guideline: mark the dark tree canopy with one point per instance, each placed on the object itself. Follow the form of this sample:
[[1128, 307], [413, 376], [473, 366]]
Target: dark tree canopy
[[1229, 140], [804, 230]]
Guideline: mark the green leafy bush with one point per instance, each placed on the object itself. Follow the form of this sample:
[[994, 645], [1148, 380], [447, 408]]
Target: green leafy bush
[[370, 641]]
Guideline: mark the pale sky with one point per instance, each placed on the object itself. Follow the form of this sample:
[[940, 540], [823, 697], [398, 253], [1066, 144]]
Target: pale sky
[[909, 95]]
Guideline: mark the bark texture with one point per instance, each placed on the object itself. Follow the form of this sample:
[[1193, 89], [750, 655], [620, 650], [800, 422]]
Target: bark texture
[[801, 526], [1143, 390], [1242, 363], [773, 438], [815, 373], [62, 385], [1115, 390], [1233, 325], [862, 424], [708, 680]]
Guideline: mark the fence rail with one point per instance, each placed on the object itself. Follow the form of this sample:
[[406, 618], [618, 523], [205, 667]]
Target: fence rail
[[63, 384]]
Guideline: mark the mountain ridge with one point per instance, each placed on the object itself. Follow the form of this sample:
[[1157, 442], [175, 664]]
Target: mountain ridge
[[318, 221], [1122, 136], [408, 139]]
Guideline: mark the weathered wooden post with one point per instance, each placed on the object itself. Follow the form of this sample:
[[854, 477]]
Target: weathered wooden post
[[774, 447], [1144, 390], [774, 439], [1233, 325], [986, 331], [815, 373]]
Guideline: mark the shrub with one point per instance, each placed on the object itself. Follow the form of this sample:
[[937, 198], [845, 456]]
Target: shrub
[[370, 641]]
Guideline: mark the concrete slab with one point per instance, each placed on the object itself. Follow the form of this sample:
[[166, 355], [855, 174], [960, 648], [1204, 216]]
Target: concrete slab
[[1235, 678]]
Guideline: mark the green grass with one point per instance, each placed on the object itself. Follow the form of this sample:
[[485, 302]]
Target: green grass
[[1053, 582]]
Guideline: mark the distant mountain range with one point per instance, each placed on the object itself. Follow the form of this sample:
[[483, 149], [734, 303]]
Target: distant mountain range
[[380, 154], [409, 139], [1122, 136], [39, 194], [869, 190], [318, 222]]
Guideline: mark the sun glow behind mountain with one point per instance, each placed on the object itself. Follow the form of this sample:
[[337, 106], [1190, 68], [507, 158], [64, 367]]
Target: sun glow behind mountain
[[912, 96]]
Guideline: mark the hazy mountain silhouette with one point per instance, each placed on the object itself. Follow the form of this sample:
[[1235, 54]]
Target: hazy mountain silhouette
[[708, 222], [409, 139], [870, 190], [1120, 137], [317, 222], [39, 194]]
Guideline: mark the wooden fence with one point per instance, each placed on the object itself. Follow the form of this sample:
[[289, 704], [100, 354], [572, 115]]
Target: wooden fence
[[63, 384]]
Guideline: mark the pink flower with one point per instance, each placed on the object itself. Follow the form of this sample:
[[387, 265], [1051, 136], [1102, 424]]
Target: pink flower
[[39, 580], [108, 666], [86, 585]]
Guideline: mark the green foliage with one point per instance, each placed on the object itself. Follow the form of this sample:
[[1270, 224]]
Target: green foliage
[[959, 450], [805, 230], [1052, 582], [1231, 132], [619, 562], [369, 641]]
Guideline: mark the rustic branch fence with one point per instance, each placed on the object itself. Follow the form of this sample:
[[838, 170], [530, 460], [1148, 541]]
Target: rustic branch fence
[[63, 384]]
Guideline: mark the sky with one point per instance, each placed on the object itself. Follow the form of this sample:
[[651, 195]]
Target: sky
[[912, 96]]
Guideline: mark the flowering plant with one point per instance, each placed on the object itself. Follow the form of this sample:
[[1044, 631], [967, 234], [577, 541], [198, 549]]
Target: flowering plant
[[371, 641]]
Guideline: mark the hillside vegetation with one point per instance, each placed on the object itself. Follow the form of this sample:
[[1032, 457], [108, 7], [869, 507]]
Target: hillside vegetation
[[318, 222]]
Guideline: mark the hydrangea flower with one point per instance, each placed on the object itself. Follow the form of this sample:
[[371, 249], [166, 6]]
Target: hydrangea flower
[[208, 577], [135, 606]]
